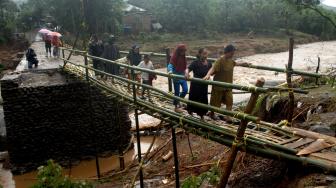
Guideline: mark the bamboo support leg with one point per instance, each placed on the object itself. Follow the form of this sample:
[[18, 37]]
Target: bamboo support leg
[[176, 162], [318, 69], [136, 114], [240, 136], [170, 84], [289, 81]]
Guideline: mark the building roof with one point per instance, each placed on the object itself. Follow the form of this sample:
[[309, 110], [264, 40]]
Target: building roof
[[129, 7]]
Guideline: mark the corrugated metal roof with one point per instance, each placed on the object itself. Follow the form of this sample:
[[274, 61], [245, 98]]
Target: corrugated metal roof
[[130, 7]]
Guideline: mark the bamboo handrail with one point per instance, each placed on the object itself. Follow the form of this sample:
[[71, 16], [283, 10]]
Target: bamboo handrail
[[297, 72], [208, 82], [238, 115], [259, 67]]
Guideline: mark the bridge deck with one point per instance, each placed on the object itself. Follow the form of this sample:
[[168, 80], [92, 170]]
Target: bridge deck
[[264, 139]]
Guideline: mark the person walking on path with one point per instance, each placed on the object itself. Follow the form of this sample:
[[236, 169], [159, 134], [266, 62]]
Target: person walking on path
[[111, 52], [57, 43], [198, 91], [96, 49], [47, 44], [223, 72], [178, 65], [147, 78]]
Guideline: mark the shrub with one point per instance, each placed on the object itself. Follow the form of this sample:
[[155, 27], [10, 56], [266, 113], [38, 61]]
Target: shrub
[[51, 176], [212, 177]]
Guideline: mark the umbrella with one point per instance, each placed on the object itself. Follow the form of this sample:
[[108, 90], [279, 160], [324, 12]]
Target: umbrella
[[54, 34], [44, 31]]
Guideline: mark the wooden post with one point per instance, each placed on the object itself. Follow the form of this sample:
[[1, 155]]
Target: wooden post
[[318, 68], [91, 119], [240, 136], [136, 114], [63, 55], [176, 162], [170, 84], [86, 65], [289, 82], [120, 150]]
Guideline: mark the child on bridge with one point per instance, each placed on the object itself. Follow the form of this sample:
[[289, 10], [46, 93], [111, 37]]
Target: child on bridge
[[147, 78]]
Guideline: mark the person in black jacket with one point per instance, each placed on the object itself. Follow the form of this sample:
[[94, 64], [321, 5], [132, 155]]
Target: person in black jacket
[[111, 52], [96, 49], [31, 58], [134, 57]]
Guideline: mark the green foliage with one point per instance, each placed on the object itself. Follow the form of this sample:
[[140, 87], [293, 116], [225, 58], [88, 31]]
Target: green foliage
[[212, 177], [8, 10], [51, 176], [74, 15], [239, 16]]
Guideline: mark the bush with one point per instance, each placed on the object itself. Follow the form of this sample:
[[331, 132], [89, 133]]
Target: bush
[[211, 177], [51, 176]]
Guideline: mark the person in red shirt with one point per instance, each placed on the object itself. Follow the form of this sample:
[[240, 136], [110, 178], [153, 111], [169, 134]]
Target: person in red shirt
[[57, 43]]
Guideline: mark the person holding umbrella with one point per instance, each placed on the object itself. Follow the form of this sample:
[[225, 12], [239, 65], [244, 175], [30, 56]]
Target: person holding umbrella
[[56, 42], [47, 40]]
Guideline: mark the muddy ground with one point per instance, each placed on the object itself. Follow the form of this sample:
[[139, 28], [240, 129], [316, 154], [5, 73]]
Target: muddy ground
[[246, 45], [12, 53]]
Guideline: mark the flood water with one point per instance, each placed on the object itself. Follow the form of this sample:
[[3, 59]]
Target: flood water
[[86, 170]]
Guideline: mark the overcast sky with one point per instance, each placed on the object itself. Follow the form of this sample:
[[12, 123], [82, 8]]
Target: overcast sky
[[331, 3]]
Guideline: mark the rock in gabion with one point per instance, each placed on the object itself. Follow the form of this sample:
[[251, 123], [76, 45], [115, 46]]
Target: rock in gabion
[[61, 118]]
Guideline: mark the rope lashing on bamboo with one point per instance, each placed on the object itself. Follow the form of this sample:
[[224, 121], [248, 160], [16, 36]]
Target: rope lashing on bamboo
[[235, 142], [181, 120], [245, 139], [240, 113]]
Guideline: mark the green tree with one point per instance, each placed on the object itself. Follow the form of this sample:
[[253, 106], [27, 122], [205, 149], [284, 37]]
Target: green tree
[[8, 16]]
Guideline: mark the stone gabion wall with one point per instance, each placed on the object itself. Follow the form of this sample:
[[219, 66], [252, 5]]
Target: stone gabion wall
[[64, 121]]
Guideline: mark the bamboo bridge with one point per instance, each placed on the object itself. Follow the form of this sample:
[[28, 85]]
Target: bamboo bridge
[[277, 141]]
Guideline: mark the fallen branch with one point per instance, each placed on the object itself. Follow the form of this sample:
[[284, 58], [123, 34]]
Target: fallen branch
[[142, 161]]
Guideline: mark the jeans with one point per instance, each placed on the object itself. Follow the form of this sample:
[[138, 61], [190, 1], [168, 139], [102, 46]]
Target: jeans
[[184, 85]]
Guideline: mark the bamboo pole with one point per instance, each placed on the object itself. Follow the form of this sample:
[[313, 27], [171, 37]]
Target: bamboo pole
[[214, 83], [170, 83], [173, 76], [240, 136], [297, 72], [91, 118], [289, 82], [318, 68], [272, 154], [137, 130], [237, 115], [176, 161]]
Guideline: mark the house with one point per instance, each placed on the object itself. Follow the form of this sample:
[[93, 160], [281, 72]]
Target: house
[[137, 20]]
